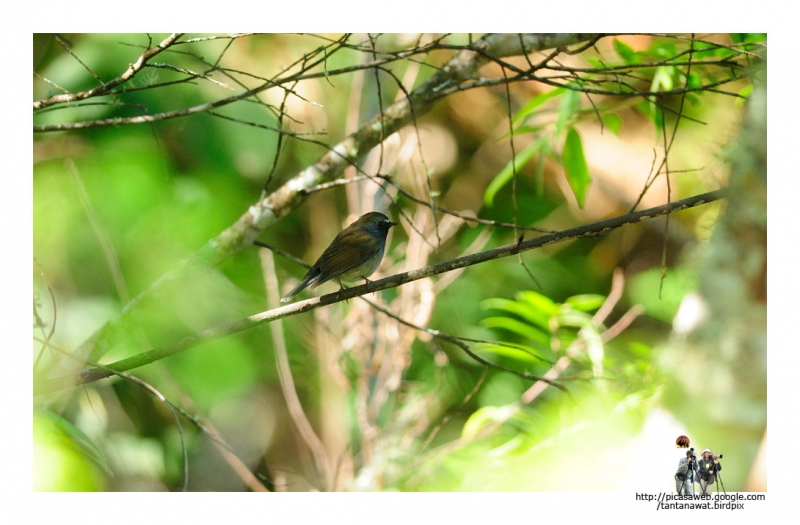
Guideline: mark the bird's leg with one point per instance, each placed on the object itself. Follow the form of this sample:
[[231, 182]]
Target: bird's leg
[[342, 288]]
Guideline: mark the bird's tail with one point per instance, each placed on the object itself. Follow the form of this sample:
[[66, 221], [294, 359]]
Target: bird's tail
[[310, 278]]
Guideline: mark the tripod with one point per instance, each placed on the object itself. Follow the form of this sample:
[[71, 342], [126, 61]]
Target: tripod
[[694, 472], [704, 487], [718, 481]]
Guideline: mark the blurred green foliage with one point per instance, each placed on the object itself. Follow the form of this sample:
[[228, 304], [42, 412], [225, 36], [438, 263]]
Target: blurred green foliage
[[65, 459], [155, 193]]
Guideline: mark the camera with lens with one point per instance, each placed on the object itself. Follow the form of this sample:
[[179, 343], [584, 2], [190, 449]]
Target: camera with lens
[[717, 456]]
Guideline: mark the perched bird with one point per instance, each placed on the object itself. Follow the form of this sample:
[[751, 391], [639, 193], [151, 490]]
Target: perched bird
[[352, 255]]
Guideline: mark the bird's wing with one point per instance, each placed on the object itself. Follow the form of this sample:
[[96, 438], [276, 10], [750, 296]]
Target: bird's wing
[[344, 254]]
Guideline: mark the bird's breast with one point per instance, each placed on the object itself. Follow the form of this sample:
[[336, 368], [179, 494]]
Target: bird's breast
[[363, 270]]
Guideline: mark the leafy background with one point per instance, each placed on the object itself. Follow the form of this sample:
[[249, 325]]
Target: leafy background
[[115, 208]]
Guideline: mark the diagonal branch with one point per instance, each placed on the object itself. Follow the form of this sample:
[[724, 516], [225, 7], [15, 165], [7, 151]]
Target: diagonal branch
[[103, 89], [589, 230]]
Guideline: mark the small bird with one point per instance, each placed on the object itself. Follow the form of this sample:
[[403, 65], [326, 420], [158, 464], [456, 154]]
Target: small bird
[[352, 255]]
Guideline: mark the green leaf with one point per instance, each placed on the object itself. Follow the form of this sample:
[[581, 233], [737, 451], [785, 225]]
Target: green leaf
[[568, 316], [507, 172], [535, 102], [650, 110], [695, 80], [575, 166], [662, 80], [513, 445], [739, 38], [527, 129], [569, 104], [625, 52], [539, 302], [663, 49], [522, 353], [480, 418], [704, 50], [71, 432], [595, 63], [533, 315], [745, 92], [613, 122], [518, 327], [586, 302], [640, 349], [64, 458]]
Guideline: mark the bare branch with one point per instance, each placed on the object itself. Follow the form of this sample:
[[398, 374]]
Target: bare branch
[[108, 86]]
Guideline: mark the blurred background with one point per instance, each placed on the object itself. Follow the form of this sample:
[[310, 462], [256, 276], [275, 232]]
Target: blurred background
[[347, 397]]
